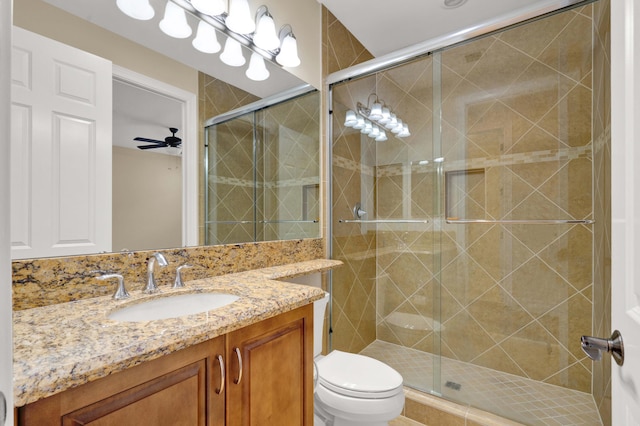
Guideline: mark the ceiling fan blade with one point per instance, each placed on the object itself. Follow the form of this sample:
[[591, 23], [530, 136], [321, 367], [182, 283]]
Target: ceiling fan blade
[[148, 140], [152, 146]]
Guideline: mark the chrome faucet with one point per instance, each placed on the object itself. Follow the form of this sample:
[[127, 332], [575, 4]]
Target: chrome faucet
[[152, 287]]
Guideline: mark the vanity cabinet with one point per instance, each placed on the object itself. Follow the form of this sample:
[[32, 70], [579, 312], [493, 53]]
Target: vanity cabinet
[[257, 375]]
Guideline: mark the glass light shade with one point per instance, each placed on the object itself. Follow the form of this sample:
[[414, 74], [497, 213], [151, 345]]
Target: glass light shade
[[393, 120], [368, 127], [360, 124], [404, 132], [210, 7], [232, 53], [257, 70], [375, 132], [398, 128], [350, 119], [386, 116], [265, 36], [136, 9], [174, 23], [376, 112], [288, 56], [206, 39], [239, 19], [382, 136]]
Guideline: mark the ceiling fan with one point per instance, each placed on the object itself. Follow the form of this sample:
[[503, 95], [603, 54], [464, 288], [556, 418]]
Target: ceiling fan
[[170, 141]]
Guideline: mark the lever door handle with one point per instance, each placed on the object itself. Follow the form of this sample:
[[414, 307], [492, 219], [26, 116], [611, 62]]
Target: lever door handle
[[594, 346]]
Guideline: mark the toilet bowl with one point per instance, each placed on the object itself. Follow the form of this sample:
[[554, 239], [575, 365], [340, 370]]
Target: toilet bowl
[[352, 389]]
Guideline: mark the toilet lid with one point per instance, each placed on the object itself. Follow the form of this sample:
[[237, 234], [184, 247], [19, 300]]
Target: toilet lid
[[352, 374]]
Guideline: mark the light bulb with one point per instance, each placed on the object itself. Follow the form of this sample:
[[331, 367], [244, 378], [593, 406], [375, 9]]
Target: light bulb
[[350, 119], [206, 40], [174, 23], [257, 70], [136, 9], [232, 53], [210, 7], [239, 19], [392, 122], [386, 116], [376, 112], [288, 56], [404, 132], [265, 36], [382, 136], [360, 124]]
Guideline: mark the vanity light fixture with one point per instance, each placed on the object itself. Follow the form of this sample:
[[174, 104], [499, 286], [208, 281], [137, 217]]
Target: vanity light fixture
[[265, 36], [257, 70], [174, 23], [239, 18], [232, 53], [258, 35], [206, 40], [373, 120], [210, 7], [288, 55], [136, 9]]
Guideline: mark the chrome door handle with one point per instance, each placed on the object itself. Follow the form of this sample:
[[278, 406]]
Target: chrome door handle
[[594, 346], [222, 375], [239, 356]]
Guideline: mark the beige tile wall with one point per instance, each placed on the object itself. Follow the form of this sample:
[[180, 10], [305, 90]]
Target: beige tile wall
[[516, 108], [602, 201]]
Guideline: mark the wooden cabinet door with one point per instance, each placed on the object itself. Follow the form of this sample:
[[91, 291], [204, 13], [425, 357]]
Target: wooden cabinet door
[[270, 380], [173, 399], [176, 389]]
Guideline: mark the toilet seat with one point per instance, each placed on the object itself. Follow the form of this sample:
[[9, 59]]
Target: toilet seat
[[358, 376]]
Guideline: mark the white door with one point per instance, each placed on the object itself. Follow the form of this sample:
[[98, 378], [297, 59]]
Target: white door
[[60, 149], [625, 199], [6, 375]]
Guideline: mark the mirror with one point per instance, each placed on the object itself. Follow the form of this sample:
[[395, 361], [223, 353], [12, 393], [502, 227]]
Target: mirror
[[177, 66]]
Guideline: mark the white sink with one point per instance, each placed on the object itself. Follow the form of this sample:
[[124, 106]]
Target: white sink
[[173, 306]]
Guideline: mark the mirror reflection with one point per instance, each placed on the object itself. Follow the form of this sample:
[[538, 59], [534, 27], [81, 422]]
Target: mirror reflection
[[166, 90]]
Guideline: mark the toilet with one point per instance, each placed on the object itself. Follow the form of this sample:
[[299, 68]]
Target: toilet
[[352, 389]]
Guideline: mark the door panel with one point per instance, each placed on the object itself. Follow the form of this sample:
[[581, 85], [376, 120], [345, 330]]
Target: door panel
[[625, 199]]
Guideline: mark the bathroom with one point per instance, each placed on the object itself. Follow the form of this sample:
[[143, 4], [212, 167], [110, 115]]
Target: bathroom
[[599, 327]]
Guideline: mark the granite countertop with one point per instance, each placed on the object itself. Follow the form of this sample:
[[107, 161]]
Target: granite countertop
[[61, 346]]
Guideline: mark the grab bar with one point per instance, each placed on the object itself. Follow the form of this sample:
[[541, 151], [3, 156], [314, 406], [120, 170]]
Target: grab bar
[[523, 222], [383, 221]]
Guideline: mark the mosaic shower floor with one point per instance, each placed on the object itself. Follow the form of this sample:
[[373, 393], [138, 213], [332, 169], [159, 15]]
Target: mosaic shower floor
[[513, 397]]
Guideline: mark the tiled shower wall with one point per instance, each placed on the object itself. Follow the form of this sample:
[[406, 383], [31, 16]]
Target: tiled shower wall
[[516, 142], [602, 201]]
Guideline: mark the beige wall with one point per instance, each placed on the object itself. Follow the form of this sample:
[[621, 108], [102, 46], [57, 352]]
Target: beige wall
[[49, 21], [147, 200]]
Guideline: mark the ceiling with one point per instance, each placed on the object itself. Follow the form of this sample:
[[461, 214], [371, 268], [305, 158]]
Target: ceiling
[[384, 27]]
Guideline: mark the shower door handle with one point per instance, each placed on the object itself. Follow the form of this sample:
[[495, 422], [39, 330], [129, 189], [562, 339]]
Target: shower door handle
[[594, 346]]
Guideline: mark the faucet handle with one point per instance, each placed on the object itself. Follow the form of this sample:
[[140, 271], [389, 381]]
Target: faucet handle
[[121, 291], [178, 283]]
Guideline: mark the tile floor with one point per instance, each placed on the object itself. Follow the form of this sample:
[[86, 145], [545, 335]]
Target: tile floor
[[513, 397]]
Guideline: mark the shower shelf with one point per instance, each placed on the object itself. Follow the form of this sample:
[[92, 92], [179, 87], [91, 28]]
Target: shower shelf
[[523, 222], [384, 221]]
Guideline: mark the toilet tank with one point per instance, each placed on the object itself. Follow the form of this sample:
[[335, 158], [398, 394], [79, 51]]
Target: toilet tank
[[319, 308]]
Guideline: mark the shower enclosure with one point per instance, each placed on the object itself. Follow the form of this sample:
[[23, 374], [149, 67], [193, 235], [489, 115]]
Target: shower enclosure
[[469, 243], [262, 171]]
